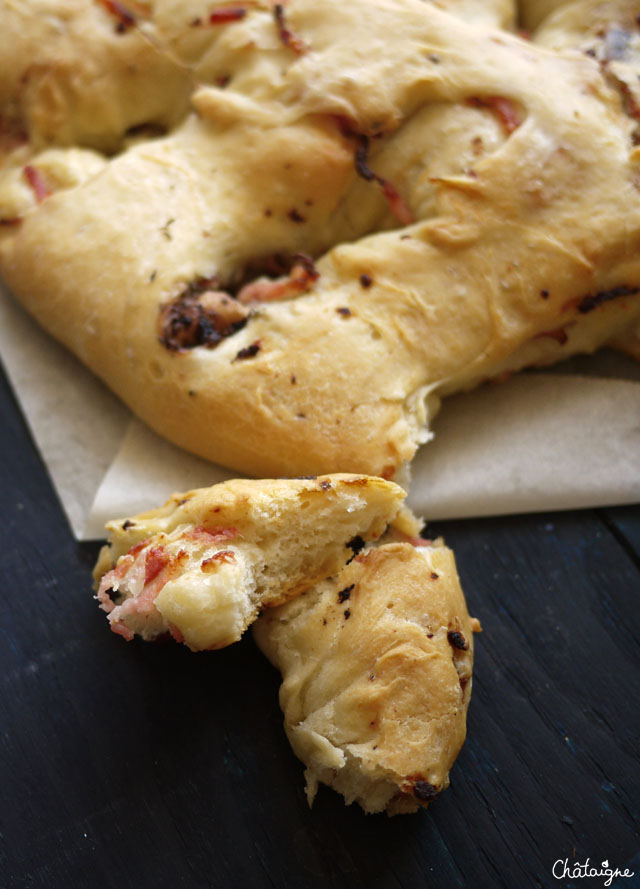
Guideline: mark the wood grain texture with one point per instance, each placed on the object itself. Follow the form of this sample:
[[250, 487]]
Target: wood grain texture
[[145, 765]]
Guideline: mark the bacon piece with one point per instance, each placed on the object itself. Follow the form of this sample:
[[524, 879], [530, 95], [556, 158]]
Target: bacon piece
[[37, 183], [143, 604], [126, 18], [503, 108], [11, 222], [210, 535], [301, 278], [286, 35], [121, 629], [200, 319], [225, 14], [157, 558], [397, 204], [586, 304], [176, 633], [212, 563]]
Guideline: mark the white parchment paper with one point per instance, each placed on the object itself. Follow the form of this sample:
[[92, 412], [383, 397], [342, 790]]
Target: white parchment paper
[[538, 442]]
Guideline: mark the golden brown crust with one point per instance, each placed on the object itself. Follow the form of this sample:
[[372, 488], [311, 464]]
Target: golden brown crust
[[376, 667], [524, 249]]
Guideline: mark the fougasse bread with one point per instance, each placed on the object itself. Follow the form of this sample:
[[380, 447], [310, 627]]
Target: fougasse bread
[[365, 620], [376, 675], [282, 232], [202, 566]]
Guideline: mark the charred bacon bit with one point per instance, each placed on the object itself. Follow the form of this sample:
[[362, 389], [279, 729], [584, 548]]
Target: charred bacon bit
[[286, 35], [559, 335], [37, 183], [249, 351], [366, 281], [344, 311], [127, 524], [200, 319], [225, 14], [356, 544], [591, 301], [396, 203], [504, 109], [361, 160], [301, 277], [126, 18], [457, 640], [12, 221], [344, 594], [424, 791]]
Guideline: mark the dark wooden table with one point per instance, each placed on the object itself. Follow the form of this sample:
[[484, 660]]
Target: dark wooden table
[[148, 766]]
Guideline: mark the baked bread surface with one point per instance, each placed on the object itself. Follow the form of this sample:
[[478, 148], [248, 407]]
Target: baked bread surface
[[465, 203], [376, 666]]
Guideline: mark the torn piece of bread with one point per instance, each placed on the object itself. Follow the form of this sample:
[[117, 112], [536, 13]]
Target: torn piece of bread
[[202, 566], [376, 667]]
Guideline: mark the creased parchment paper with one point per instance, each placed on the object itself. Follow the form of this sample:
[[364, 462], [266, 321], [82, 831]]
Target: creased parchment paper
[[537, 442]]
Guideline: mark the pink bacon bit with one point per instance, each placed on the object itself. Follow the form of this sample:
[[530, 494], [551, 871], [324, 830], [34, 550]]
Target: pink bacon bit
[[37, 183], [397, 204], [214, 535], [286, 35], [125, 17], [157, 558], [176, 633], [301, 278], [121, 629], [504, 109]]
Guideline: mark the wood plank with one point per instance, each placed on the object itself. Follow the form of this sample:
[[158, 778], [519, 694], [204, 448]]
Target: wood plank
[[135, 764]]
